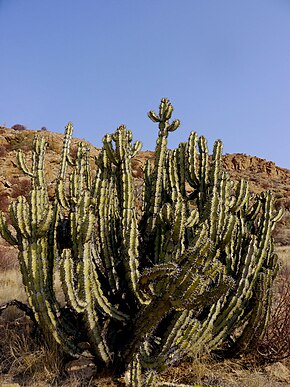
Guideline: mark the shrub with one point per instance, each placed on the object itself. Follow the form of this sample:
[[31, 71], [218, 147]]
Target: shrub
[[275, 345], [193, 270], [18, 127]]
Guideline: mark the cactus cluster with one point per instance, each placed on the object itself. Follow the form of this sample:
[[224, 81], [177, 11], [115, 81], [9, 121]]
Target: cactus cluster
[[193, 270]]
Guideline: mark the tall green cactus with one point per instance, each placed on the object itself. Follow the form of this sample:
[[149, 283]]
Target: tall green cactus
[[193, 270]]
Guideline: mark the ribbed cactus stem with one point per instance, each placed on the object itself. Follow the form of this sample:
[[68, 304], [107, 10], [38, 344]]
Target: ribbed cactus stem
[[65, 150]]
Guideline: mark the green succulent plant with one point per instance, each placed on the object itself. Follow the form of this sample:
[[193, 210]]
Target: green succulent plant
[[193, 270]]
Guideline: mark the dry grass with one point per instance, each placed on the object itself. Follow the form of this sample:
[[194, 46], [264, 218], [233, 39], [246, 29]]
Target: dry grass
[[26, 361], [225, 373]]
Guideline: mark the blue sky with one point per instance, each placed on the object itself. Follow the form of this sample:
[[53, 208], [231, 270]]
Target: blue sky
[[224, 64]]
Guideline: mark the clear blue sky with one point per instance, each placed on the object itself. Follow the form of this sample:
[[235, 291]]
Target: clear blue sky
[[224, 64]]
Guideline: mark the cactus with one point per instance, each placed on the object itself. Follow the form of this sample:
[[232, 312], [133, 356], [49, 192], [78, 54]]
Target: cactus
[[193, 270]]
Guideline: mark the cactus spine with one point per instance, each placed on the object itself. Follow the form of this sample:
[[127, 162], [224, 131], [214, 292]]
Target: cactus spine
[[194, 269]]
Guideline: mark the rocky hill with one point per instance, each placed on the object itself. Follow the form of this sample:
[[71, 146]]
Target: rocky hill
[[261, 174]]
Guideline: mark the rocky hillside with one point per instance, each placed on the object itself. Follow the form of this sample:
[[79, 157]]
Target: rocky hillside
[[261, 174]]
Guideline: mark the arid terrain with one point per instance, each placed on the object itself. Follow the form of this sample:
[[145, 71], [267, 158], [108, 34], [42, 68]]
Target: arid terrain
[[24, 362]]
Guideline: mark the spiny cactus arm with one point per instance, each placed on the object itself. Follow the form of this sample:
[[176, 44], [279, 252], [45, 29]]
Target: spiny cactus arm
[[166, 214], [61, 195], [68, 275], [105, 195], [178, 234], [65, 150], [147, 189], [82, 297], [136, 148], [257, 315], [169, 299], [37, 171], [5, 232], [192, 175], [87, 168], [199, 282], [96, 338], [129, 226], [243, 293], [22, 164], [198, 245], [173, 178], [193, 218], [131, 246], [181, 164], [276, 218], [155, 274], [228, 230], [252, 207], [181, 325], [196, 288], [172, 243], [41, 212], [204, 335], [134, 372], [225, 193], [108, 147], [46, 313], [19, 212], [151, 379], [33, 221], [203, 167], [102, 301], [242, 193], [145, 321], [151, 362], [37, 282], [80, 179], [267, 223], [160, 150], [214, 202], [99, 346], [165, 112], [65, 160], [39, 148]]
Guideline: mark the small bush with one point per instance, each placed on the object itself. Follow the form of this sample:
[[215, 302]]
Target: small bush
[[18, 127], [275, 345]]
